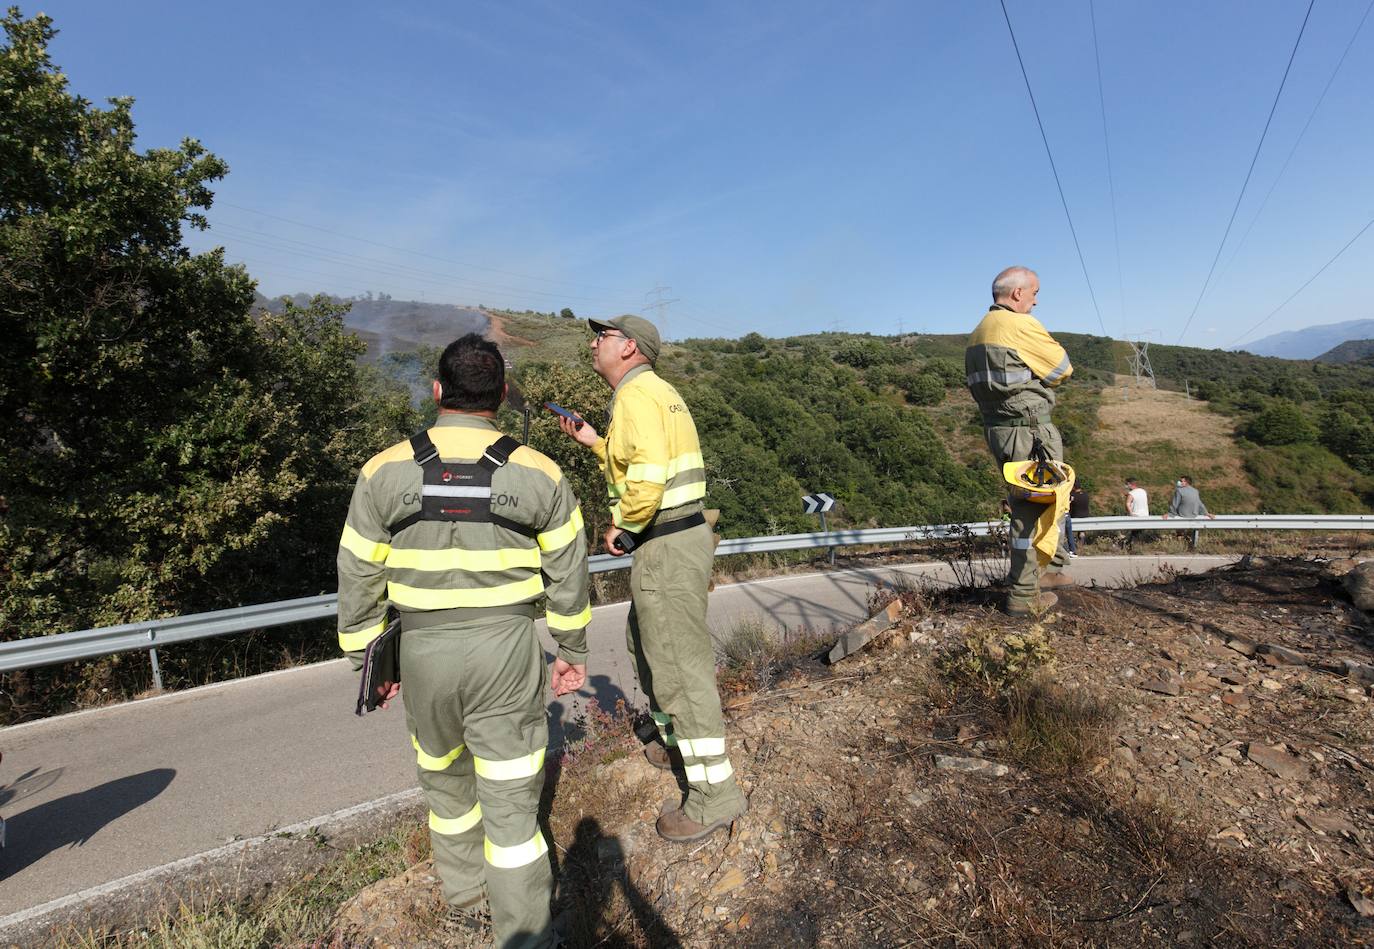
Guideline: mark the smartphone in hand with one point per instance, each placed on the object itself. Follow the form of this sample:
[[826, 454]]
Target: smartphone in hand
[[559, 410]]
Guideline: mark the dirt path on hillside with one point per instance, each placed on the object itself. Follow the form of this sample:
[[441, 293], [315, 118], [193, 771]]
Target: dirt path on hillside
[[496, 332]]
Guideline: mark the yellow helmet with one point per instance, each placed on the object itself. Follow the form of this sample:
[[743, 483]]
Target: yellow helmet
[[1036, 480]]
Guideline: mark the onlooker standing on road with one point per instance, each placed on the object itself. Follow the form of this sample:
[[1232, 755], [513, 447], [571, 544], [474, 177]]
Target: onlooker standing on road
[[463, 530], [1186, 502], [656, 480], [1013, 366]]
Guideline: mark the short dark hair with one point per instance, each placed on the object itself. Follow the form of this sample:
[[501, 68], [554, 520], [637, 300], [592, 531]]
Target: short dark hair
[[472, 375]]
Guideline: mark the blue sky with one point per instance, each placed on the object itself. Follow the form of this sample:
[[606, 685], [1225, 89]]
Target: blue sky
[[783, 167]]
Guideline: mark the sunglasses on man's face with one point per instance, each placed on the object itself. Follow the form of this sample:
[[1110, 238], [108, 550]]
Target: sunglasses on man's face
[[602, 334]]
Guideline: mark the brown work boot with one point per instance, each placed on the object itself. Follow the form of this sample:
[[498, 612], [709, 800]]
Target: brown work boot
[[1057, 579], [661, 756], [1041, 603], [676, 826]]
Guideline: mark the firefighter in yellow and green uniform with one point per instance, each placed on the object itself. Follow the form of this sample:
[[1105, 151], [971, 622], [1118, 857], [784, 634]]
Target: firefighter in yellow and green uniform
[[1013, 366], [463, 530], [656, 481]]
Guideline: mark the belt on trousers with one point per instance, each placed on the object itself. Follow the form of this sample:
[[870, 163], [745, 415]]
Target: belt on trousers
[[1019, 422], [671, 527], [425, 619]]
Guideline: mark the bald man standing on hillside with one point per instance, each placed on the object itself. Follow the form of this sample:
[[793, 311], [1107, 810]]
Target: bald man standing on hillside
[[1013, 366]]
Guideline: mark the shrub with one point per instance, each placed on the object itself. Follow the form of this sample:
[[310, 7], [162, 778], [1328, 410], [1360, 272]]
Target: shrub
[[924, 388], [1282, 423], [995, 664]]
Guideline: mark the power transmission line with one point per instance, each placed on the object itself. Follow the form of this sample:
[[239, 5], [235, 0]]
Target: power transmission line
[[1045, 138], [1323, 267], [1111, 183], [1211, 270], [1294, 150]]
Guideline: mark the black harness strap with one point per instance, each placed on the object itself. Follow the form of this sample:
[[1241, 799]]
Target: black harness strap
[[459, 492]]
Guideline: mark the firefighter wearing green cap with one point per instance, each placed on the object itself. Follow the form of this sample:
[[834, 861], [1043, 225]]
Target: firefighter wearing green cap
[[463, 530], [656, 481], [1013, 367]]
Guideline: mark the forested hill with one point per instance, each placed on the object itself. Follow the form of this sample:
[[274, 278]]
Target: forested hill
[[885, 424]]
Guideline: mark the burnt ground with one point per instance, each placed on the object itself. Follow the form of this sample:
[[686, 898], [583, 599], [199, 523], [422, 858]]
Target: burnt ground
[[1196, 768]]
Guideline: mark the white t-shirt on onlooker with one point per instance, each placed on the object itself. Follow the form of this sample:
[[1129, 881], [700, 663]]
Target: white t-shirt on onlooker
[[1138, 502]]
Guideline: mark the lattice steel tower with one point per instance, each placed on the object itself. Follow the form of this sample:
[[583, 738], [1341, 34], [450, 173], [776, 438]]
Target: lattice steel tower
[[1140, 363]]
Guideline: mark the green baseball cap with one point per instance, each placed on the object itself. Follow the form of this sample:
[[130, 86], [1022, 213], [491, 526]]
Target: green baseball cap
[[637, 328]]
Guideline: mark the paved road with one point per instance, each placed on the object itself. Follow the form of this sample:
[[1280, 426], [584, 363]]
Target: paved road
[[95, 796]]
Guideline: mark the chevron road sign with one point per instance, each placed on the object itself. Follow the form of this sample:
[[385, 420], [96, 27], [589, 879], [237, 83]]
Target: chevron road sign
[[817, 503]]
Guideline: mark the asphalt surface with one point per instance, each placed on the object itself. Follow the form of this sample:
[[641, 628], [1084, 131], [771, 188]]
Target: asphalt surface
[[96, 796]]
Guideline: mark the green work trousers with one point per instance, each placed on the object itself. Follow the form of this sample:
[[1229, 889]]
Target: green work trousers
[[671, 647], [1013, 443], [474, 696]]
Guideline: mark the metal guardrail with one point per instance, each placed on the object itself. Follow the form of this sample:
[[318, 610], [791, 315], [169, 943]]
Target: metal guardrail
[[93, 643]]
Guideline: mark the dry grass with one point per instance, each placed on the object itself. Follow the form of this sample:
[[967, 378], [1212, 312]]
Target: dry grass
[[753, 655], [1055, 729], [1199, 443], [298, 912]]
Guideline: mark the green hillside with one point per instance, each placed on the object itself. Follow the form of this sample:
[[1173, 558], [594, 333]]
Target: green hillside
[[885, 424]]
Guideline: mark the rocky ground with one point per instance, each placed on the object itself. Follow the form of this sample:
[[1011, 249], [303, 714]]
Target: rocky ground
[[1187, 762]]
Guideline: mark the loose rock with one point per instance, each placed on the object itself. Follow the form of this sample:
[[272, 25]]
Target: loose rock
[[971, 766], [1276, 761], [1282, 654], [1359, 583]]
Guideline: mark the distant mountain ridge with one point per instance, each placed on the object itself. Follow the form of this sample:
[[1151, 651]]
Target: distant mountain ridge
[[1352, 350], [1312, 341]]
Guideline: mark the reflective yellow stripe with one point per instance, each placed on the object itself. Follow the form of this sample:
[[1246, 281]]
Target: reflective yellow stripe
[[506, 594], [456, 825], [660, 474], [669, 739], [643, 471], [513, 769], [709, 774], [561, 537], [701, 747], [615, 490], [687, 492], [564, 621], [373, 551], [511, 858], [431, 763], [663, 718], [623, 524], [686, 462], [352, 642], [469, 561]]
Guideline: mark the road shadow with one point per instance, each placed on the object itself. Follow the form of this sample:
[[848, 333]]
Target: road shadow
[[28, 784], [594, 870], [76, 818]]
